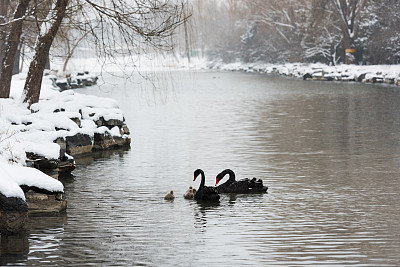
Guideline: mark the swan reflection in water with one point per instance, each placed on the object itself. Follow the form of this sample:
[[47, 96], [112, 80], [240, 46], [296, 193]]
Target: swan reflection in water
[[203, 209]]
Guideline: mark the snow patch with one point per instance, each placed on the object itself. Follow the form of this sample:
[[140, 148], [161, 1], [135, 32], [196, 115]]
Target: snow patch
[[13, 176]]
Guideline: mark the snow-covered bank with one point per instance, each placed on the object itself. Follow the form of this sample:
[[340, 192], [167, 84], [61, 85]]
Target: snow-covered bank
[[60, 125], [371, 73]]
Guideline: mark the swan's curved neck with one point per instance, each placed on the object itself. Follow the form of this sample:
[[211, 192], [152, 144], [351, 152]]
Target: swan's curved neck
[[231, 174], [203, 179]]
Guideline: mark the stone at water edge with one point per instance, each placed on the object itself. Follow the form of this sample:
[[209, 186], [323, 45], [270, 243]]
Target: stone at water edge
[[79, 144], [40, 204], [13, 215]]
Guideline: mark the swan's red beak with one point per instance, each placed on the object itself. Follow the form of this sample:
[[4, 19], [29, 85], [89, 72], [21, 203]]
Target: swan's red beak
[[217, 182], [194, 179]]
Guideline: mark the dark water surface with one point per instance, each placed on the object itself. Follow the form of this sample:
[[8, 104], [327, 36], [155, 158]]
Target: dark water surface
[[329, 152]]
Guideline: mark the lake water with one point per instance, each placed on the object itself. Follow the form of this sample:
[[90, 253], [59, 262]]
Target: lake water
[[329, 152]]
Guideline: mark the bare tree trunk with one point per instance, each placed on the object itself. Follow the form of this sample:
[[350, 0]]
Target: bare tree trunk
[[33, 82], [11, 47], [22, 54], [15, 69], [47, 65], [4, 5], [17, 59], [3, 14]]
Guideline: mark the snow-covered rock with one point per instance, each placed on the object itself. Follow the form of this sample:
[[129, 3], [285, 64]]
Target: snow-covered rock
[[13, 211], [370, 73], [25, 176]]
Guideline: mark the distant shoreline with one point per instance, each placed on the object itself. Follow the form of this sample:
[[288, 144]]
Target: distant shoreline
[[389, 74]]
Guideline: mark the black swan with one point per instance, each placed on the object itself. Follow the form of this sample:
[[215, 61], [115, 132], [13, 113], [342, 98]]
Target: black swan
[[170, 196], [204, 192], [242, 186], [190, 193]]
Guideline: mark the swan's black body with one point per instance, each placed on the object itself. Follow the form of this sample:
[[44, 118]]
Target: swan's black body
[[245, 186], [204, 192]]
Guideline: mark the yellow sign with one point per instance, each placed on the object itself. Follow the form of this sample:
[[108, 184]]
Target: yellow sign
[[350, 50]]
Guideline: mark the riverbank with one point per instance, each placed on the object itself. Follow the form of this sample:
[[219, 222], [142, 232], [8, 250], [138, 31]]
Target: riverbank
[[62, 125], [389, 74]]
